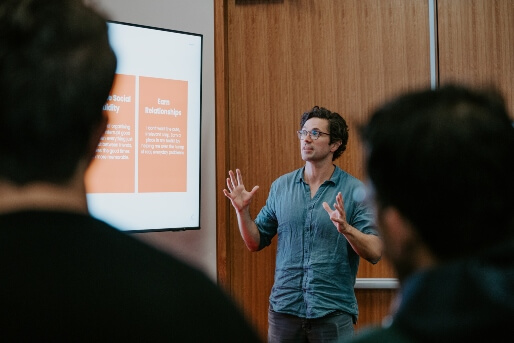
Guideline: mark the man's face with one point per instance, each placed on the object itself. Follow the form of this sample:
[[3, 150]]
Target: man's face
[[313, 149]]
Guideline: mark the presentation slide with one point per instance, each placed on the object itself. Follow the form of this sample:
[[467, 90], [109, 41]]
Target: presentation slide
[[146, 172]]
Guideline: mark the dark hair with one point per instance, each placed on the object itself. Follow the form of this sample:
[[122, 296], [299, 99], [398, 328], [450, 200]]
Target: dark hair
[[338, 128], [444, 159], [56, 71]]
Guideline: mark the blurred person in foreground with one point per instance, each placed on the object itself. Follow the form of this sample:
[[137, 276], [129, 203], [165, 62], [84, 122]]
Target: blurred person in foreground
[[67, 276], [441, 173]]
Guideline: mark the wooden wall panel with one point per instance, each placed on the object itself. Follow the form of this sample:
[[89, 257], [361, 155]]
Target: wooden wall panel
[[221, 95], [281, 58], [375, 306], [476, 43]]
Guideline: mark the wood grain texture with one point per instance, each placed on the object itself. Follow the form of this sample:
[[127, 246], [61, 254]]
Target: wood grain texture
[[476, 44], [222, 212], [375, 306]]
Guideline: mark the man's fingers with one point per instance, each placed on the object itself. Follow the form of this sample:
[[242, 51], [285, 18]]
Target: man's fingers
[[254, 189], [239, 177], [232, 179], [230, 186]]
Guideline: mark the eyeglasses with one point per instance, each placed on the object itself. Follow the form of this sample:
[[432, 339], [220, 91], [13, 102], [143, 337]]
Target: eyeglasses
[[313, 133]]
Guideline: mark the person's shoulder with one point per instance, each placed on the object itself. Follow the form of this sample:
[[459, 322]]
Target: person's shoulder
[[114, 278], [342, 176], [180, 290], [380, 335], [343, 173]]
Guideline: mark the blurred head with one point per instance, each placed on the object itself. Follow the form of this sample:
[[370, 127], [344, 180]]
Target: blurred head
[[338, 129], [56, 71], [444, 160]]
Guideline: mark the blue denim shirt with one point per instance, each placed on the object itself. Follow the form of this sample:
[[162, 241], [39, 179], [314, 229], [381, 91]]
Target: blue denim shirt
[[315, 265]]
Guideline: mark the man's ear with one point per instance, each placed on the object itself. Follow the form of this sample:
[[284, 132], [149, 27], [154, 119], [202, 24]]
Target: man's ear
[[396, 231], [335, 146], [396, 224], [97, 133], [403, 245]]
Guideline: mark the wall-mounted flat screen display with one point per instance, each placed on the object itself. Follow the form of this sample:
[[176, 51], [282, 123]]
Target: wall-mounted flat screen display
[[146, 172]]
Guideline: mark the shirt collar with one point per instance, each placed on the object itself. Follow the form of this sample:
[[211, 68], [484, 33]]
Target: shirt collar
[[334, 179]]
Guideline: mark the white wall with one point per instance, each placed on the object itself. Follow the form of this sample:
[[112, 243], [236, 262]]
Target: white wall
[[198, 247]]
